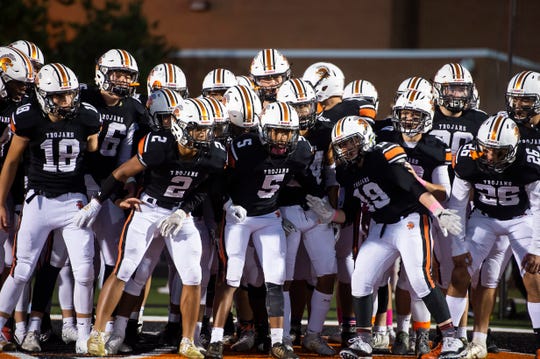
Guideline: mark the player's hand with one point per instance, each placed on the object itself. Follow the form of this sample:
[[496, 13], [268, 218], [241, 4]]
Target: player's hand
[[531, 263], [449, 221], [4, 218], [172, 224], [322, 208], [87, 215], [234, 213], [288, 226], [130, 203], [336, 227], [463, 260]]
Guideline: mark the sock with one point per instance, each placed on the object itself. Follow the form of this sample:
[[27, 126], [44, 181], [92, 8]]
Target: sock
[[276, 335], [20, 329], [389, 318], [461, 332], [379, 329], [534, 313], [84, 325], [320, 304], [457, 307], [120, 325], [286, 314], [217, 335], [403, 323], [134, 315], [447, 330], [34, 324], [68, 322], [479, 338]]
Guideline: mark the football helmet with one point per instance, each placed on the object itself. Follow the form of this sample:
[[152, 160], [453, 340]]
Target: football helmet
[[475, 101], [218, 112], [31, 50], [352, 136], [218, 81], [413, 113], [15, 66], [117, 61], [194, 128], [169, 76], [362, 90], [269, 69], [453, 87], [243, 106], [414, 83], [497, 143], [279, 128], [523, 96], [246, 81], [161, 105], [52, 81], [327, 79], [301, 96]]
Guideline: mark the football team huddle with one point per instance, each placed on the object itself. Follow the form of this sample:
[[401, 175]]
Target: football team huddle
[[268, 191]]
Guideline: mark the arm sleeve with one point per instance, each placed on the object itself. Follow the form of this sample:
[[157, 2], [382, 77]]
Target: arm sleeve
[[458, 201], [533, 190], [440, 176]]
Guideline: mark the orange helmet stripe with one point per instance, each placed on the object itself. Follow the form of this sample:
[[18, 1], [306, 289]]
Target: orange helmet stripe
[[299, 88], [268, 59], [218, 76], [27, 63], [457, 70], [126, 58], [62, 74], [170, 97], [496, 128], [518, 84], [169, 74], [248, 105]]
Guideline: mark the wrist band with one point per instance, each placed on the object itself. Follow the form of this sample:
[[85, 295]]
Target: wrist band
[[435, 207]]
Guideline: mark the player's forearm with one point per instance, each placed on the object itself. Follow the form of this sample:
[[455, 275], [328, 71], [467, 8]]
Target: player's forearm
[[9, 171]]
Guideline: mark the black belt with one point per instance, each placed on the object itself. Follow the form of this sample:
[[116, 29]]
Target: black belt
[[500, 218], [159, 203], [39, 192]]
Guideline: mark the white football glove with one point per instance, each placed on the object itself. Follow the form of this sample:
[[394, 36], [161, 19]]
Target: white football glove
[[172, 224], [322, 208], [449, 221], [288, 226], [234, 213], [87, 215]]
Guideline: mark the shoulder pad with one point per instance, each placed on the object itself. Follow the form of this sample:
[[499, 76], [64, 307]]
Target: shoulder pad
[[392, 152]]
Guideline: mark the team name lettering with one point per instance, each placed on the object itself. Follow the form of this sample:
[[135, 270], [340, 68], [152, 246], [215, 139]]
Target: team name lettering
[[452, 127], [361, 181], [276, 171], [106, 117], [60, 134], [497, 182], [4, 119], [184, 173]]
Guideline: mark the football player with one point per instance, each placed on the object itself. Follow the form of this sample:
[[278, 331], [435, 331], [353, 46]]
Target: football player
[[58, 130], [269, 69], [504, 176], [216, 82], [178, 165], [400, 205]]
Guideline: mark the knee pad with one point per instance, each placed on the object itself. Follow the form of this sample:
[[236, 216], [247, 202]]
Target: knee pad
[[22, 272], [84, 274], [126, 270], [274, 300]]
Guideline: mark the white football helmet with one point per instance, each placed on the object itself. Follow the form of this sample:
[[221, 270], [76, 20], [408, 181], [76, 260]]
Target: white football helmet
[[497, 143], [269, 69], [15, 66], [413, 113], [453, 87], [327, 79], [279, 128], [523, 96], [218, 81], [169, 76], [352, 136], [31, 50], [194, 128], [55, 79], [161, 105], [219, 114], [113, 61], [301, 96], [414, 83], [246, 81], [362, 90], [243, 106]]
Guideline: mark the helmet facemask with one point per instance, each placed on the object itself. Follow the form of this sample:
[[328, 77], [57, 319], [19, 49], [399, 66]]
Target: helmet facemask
[[409, 122], [522, 108], [281, 140], [348, 150], [307, 114], [49, 106], [114, 83], [267, 86], [193, 135], [455, 97], [493, 158]]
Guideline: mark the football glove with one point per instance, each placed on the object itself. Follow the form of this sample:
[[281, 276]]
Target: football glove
[[288, 226], [322, 208], [449, 221], [172, 224], [234, 213], [87, 215]]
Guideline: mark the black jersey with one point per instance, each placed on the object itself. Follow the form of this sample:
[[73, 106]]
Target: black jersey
[[456, 131], [254, 178], [383, 184], [529, 135], [7, 107], [353, 107], [500, 195], [167, 177], [117, 138], [56, 149], [429, 153]]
